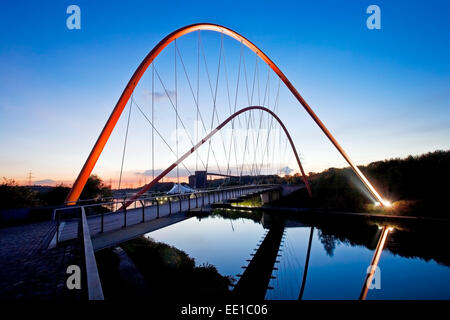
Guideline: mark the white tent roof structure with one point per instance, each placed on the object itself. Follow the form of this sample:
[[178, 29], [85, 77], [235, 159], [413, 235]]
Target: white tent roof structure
[[178, 188]]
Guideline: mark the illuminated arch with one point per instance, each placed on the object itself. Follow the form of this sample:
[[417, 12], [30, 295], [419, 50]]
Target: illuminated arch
[[206, 138], [85, 172]]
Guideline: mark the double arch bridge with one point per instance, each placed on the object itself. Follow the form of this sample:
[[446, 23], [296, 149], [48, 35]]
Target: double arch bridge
[[96, 151], [128, 222]]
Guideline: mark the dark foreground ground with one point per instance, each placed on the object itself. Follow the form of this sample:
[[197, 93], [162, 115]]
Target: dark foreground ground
[[28, 270]]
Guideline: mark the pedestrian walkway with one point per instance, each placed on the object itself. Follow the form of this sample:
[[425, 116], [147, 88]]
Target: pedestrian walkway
[[108, 224]]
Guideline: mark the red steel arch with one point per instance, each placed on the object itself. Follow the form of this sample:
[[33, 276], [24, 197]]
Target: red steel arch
[[206, 138], [79, 183]]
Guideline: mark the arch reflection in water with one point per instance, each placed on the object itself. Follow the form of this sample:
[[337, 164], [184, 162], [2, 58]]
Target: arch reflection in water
[[322, 261]]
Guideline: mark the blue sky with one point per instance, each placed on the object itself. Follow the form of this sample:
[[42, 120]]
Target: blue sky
[[382, 93]]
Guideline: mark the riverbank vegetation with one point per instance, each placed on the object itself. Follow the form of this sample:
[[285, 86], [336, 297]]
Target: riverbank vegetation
[[168, 272], [14, 196], [414, 185], [426, 241]]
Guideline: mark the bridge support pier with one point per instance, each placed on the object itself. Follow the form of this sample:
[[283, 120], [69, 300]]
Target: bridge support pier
[[270, 196]]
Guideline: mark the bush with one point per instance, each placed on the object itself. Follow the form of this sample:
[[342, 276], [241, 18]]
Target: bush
[[14, 196]]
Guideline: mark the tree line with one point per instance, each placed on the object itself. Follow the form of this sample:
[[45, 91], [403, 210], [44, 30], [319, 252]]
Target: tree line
[[416, 185], [12, 195]]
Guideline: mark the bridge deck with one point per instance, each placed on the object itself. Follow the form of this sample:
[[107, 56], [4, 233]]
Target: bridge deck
[[114, 222]]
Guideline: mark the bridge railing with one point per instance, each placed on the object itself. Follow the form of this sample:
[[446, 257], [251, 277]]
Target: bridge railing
[[124, 195], [93, 284], [150, 195], [174, 201]]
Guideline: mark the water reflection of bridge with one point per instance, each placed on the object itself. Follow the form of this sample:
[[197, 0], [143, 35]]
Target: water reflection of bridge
[[112, 228], [111, 223], [254, 281]]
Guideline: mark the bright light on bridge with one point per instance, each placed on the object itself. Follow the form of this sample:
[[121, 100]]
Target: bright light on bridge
[[386, 203]]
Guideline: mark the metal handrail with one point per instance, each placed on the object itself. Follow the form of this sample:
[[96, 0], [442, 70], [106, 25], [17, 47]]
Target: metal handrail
[[152, 198], [94, 286], [162, 194], [169, 198]]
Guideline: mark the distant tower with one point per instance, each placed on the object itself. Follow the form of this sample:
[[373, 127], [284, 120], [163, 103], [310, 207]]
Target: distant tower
[[29, 178]]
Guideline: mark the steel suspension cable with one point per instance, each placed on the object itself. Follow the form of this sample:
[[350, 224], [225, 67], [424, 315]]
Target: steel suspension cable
[[247, 118], [250, 103], [258, 172], [159, 134], [269, 129], [196, 101], [231, 110], [235, 106], [198, 95], [153, 121], [173, 106], [275, 125], [176, 109], [215, 96], [125, 142]]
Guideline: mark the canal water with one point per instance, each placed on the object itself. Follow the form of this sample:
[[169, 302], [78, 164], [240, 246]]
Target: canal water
[[413, 265]]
